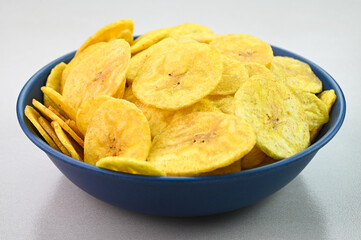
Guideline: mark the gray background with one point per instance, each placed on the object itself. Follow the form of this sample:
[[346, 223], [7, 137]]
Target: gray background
[[38, 202]]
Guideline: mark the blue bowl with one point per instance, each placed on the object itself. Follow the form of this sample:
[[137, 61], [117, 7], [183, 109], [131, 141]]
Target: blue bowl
[[181, 196]]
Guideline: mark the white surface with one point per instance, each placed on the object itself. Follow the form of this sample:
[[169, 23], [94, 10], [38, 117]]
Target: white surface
[[38, 202]]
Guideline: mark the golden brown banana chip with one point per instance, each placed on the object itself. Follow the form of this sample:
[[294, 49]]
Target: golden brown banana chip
[[157, 118], [233, 75], [328, 97], [129, 165], [87, 110], [54, 81], [33, 116], [51, 115], [204, 105], [234, 167], [148, 39], [244, 48], [295, 74], [121, 29], [59, 101], [315, 108], [117, 128], [225, 103], [98, 70], [276, 114], [254, 158], [177, 74], [65, 140], [49, 129], [201, 142]]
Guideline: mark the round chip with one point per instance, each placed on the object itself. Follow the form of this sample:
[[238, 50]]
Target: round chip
[[129, 165], [204, 105], [254, 69], [225, 103], [121, 29], [148, 39], [201, 142], [295, 74], [177, 74], [244, 48], [54, 81], [98, 70], [188, 28], [117, 128], [276, 114], [233, 75]]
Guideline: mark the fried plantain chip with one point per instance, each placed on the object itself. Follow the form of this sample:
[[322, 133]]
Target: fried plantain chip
[[201, 142], [65, 140], [129, 165], [117, 128], [204, 105], [223, 102], [54, 81], [254, 158], [148, 39]]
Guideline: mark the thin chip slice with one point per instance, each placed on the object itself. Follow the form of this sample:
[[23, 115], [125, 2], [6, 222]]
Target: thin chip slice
[[87, 110], [315, 108], [117, 128], [46, 112], [244, 48], [254, 69], [136, 63], [65, 140], [234, 167], [98, 70], [74, 127], [188, 28], [148, 39], [276, 114], [33, 116], [121, 29], [204, 105], [49, 129], [295, 74], [202, 37], [177, 74], [63, 117], [59, 101], [254, 158], [223, 102], [157, 118], [233, 75], [129, 165], [54, 81], [329, 98], [201, 142]]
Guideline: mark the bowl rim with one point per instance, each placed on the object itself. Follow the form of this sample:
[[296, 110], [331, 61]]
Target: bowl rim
[[20, 106]]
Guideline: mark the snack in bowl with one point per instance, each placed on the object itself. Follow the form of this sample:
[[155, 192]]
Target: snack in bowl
[[122, 180]]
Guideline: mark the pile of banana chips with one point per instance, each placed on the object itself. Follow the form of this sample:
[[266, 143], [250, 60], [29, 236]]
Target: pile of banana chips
[[179, 101]]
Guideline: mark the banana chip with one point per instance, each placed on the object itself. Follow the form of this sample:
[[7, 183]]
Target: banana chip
[[188, 28], [54, 81], [157, 118], [233, 75], [234, 167], [65, 140], [204, 105], [117, 128], [276, 114], [177, 74], [33, 116], [201, 142], [254, 158], [295, 74], [87, 110], [244, 48], [223, 102], [148, 39], [121, 29], [202, 37], [129, 165], [98, 70], [254, 69]]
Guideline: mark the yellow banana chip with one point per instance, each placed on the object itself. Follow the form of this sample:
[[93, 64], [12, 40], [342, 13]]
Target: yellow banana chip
[[204, 105], [254, 158], [157, 118], [65, 140], [177, 74], [136, 63], [223, 102], [276, 114], [117, 128], [202, 37], [33, 116], [233, 75], [121, 29], [201, 142], [49, 129], [98, 70], [188, 28], [234, 167], [328, 97], [244, 48], [315, 108], [148, 39], [254, 69], [54, 81], [87, 110], [295, 74], [129, 165], [59, 102], [51, 115]]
